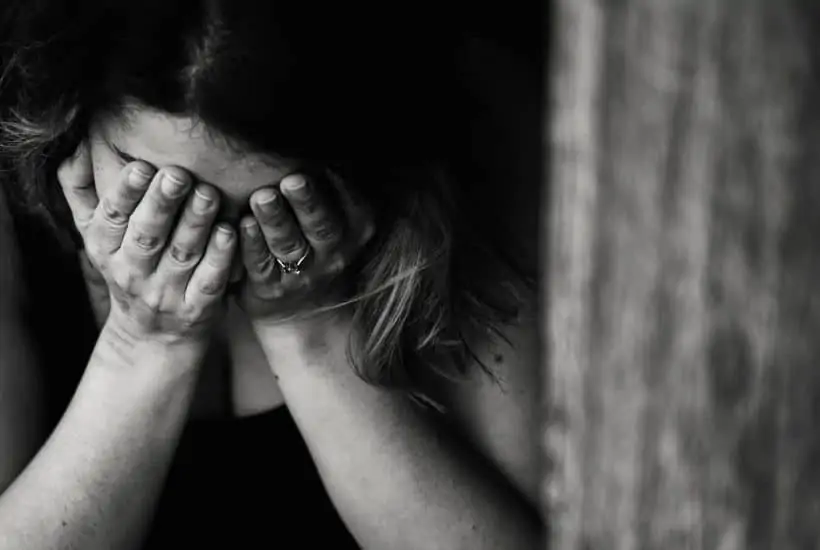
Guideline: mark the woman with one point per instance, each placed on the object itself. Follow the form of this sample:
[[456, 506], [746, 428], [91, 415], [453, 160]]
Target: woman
[[114, 124]]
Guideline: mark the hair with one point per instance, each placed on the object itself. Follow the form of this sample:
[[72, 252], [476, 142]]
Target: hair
[[369, 94]]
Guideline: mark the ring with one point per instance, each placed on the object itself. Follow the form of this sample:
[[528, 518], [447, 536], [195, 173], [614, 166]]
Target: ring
[[294, 268]]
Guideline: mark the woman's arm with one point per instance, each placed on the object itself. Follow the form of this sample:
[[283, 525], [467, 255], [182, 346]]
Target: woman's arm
[[397, 476], [95, 482]]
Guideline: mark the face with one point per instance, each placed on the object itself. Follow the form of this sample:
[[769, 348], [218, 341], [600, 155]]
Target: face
[[164, 140]]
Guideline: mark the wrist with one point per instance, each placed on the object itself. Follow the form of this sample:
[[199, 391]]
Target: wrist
[[313, 341], [122, 348]]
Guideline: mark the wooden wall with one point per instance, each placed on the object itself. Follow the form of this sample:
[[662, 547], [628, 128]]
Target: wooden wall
[[682, 287]]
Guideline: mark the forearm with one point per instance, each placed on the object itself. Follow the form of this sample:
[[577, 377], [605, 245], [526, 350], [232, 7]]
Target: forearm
[[96, 480], [396, 478]]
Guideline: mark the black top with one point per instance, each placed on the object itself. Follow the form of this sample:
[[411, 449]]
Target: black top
[[234, 483], [247, 483]]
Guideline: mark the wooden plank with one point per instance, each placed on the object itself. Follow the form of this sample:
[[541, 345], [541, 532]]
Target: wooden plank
[[681, 286]]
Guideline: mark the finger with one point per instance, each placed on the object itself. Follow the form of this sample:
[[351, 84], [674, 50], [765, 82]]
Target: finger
[[110, 221], [153, 219], [256, 257], [280, 229], [319, 223], [357, 212], [76, 178], [190, 237], [210, 278]]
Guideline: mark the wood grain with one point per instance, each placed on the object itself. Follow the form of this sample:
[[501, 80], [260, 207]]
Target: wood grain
[[681, 309]]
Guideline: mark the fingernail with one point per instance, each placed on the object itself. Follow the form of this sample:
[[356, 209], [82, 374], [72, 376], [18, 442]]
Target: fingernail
[[296, 184], [201, 201], [139, 176], [173, 186], [266, 197], [250, 228], [224, 235]]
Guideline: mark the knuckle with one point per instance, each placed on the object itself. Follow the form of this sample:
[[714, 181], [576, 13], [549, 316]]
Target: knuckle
[[276, 241], [282, 225], [211, 286], [307, 204], [290, 246], [189, 314], [146, 241], [325, 231], [264, 265], [192, 320], [113, 213], [182, 254], [257, 278]]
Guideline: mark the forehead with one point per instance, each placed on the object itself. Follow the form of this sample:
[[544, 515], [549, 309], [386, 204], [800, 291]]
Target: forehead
[[167, 140]]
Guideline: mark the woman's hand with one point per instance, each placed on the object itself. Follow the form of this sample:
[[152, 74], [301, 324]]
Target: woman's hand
[[166, 282], [296, 245]]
